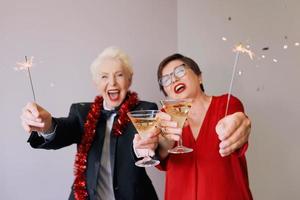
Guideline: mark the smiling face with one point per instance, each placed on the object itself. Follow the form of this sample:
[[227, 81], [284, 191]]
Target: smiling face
[[113, 81], [183, 86]]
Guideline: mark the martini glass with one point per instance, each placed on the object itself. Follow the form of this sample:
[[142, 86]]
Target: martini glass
[[144, 121], [178, 109]]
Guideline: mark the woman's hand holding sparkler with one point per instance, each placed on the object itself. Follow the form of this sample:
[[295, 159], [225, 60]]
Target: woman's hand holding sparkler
[[233, 131], [36, 118]]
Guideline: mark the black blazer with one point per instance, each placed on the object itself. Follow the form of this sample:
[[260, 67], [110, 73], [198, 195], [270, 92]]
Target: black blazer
[[129, 181]]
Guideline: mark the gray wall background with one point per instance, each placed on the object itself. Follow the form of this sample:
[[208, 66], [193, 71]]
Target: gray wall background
[[65, 36]]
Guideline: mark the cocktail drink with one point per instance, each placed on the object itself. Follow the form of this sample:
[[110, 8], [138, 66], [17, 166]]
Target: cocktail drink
[[178, 109], [144, 121]]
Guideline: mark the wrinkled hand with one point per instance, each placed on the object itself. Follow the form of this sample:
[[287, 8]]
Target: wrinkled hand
[[145, 146], [35, 118], [233, 131], [168, 127]]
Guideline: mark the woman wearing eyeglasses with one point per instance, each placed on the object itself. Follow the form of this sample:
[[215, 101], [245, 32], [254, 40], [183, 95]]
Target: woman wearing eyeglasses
[[208, 172]]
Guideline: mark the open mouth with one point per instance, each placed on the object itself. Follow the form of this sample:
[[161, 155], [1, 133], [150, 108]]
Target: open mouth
[[179, 88], [113, 95]]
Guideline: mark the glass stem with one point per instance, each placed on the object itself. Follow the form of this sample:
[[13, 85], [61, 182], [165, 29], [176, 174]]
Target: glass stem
[[147, 158], [179, 143]]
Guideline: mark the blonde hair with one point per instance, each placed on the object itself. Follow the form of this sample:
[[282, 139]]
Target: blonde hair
[[111, 53]]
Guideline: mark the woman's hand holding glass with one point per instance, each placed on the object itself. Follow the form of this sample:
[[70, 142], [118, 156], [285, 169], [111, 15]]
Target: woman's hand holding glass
[[178, 109], [145, 122], [170, 133], [169, 128], [165, 134], [146, 146]]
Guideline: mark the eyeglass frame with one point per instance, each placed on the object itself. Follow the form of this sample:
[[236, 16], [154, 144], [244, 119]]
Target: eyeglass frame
[[173, 74]]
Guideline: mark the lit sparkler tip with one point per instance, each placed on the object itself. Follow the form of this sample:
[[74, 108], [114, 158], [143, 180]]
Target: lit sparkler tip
[[242, 49], [25, 65]]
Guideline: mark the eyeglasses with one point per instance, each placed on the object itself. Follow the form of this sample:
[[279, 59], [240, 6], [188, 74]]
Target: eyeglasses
[[178, 72]]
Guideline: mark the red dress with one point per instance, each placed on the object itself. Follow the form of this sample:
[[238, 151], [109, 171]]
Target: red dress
[[203, 174]]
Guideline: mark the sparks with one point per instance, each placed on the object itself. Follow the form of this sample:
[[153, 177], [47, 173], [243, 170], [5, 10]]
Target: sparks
[[24, 65], [242, 49], [224, 38]]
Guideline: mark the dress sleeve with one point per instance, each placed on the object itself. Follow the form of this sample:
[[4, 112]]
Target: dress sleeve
[[235, 105], [241, 151]]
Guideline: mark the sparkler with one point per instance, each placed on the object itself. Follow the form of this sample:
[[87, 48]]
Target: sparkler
[[26, 66], [238, 49]]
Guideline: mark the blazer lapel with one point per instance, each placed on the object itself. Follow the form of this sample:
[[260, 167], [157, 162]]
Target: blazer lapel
[[94, 156], [113, 147]]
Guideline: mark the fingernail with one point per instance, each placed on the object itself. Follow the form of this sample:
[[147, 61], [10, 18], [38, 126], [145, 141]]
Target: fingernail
[[221, 153]]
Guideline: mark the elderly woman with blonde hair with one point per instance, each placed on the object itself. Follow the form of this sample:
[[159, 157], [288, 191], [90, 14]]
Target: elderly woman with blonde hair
[[104, 164]]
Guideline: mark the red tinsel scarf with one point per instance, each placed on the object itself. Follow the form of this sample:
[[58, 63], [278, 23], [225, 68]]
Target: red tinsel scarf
[[80, 164]]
